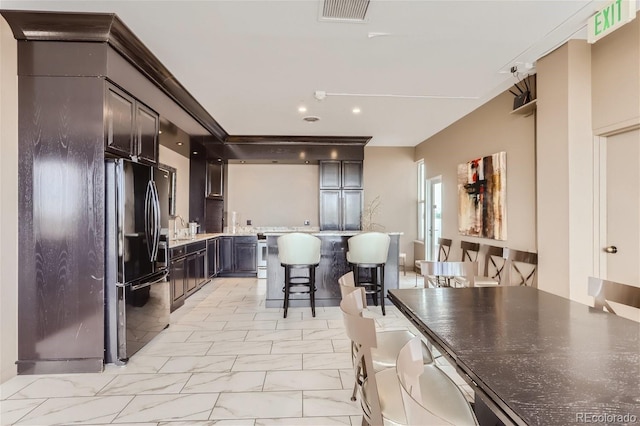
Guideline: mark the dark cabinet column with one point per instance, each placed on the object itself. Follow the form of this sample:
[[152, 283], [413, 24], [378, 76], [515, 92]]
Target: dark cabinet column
[[61, 209]]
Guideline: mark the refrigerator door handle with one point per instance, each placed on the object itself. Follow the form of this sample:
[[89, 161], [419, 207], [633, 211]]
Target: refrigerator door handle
[[162, 278], [155, 200], [148, 220]]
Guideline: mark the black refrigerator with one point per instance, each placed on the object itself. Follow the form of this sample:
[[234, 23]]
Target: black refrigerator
[[137, 290]]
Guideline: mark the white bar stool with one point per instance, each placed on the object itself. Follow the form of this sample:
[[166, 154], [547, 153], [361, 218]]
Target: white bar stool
[[369, 251], [298, 250]]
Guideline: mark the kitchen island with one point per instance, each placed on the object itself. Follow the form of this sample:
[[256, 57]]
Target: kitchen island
[[333, 264]]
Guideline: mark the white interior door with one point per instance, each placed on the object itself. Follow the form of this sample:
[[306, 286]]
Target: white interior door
[[434, 216], [621, 220]]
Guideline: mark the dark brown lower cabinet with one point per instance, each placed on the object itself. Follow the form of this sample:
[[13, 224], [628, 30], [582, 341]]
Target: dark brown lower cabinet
[[244, 250], [213, 257], [226, 255], [238, 256], [188, 271], [178, 274]]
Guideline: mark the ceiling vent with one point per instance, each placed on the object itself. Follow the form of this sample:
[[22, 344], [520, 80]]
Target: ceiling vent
[[344, 10]]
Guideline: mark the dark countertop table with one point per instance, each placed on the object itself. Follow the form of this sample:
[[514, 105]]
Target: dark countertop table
[[533, 357]]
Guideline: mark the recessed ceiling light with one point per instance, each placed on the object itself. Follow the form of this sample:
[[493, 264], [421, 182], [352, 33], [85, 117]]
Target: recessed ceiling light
[[219, 159], [242, 161], [195, 152], [159, 132], [302, 109], [306, 162], [311, 118], [356, 110], [179, 143]]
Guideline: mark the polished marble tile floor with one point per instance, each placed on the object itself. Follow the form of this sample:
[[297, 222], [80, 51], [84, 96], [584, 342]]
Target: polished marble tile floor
[[224, 360]]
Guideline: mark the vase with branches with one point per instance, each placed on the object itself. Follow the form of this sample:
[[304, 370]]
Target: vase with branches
[[368, 214]]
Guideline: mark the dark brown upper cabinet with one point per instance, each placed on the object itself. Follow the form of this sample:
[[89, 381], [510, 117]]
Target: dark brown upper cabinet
[[147, 123], [215, 179], [352, 175], [131, 127], [336, 174], [341, 195]]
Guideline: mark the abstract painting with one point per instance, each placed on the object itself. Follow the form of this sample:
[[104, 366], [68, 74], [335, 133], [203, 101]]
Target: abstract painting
[[482, 194]]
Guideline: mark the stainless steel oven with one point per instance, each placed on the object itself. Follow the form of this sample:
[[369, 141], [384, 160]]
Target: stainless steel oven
[[261, 253]]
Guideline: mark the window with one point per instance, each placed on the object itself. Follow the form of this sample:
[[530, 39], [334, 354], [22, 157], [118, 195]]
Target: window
[[421, 200]]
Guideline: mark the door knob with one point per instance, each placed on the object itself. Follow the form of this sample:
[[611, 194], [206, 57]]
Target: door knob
[[611, 249]]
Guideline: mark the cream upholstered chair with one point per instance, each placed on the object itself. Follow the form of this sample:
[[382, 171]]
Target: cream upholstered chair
[[447, 274], [299, 251], [429, 396], [389, 342], [380, 395], [369, 251]]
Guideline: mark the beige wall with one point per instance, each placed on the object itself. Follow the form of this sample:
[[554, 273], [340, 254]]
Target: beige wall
[[616, 75], [181, 164], [9, 204], [583, 90], [488, 130], [273, 194], [565, 163], [391, 174]]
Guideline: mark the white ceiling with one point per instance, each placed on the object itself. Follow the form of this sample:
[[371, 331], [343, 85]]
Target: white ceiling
[[251, 64]]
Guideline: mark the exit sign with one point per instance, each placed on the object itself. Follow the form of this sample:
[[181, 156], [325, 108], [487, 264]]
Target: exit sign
[[610, 18]]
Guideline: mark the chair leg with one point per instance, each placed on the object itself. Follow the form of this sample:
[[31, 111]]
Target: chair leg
[[312, 289], [382, 289], [287, 277], [374, 285]]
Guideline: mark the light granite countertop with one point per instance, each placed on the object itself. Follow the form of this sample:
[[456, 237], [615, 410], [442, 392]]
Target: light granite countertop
[[329, 233], [203, 237]]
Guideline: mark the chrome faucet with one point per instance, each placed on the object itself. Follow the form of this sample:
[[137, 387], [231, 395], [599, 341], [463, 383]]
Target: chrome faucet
[[175, 224]]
